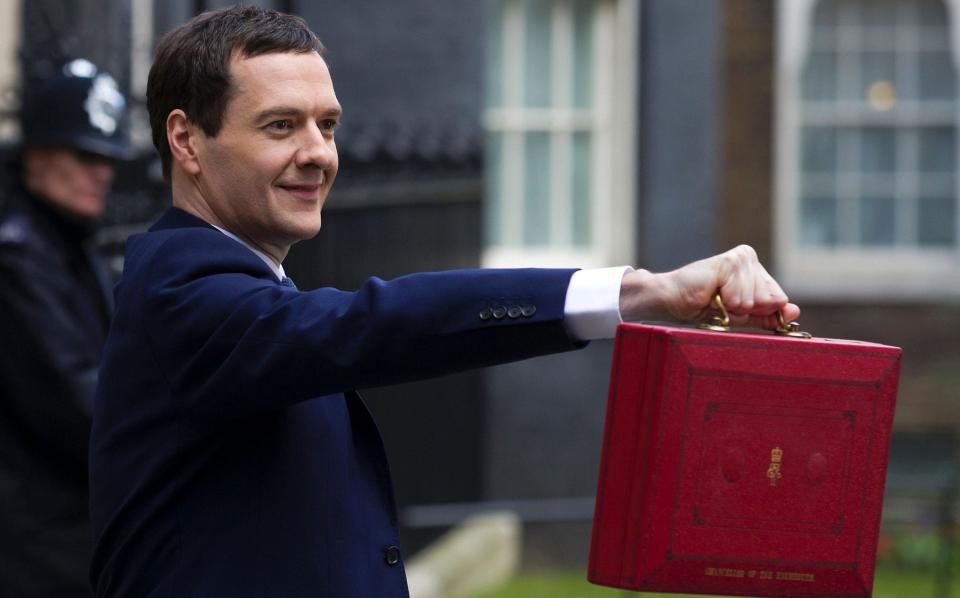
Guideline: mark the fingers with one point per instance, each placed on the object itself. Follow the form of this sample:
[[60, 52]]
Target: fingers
[[737, 279], [768, 296], [752, 297], [769, 321]]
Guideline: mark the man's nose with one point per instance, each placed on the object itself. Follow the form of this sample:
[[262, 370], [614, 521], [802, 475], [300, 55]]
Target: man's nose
[[102, 171], [316, 150]]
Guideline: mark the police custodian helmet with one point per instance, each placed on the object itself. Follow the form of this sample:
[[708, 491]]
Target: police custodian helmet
[[79, 107]]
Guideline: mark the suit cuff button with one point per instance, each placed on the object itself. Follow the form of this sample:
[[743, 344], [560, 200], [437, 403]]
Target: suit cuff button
[[499, 312], [392, 555], [514, 312], [486, 313], [528, 310]]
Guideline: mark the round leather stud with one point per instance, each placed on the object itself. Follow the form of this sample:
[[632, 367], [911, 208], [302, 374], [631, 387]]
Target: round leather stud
[[816, 468], [731, 465]]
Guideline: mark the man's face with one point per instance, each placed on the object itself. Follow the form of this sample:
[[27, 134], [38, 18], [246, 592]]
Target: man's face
[[268, 171], [74, 182]]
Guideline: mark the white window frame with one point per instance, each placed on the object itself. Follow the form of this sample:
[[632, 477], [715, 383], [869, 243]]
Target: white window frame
[[10, 23], [612, 123], [844, 272], [141, 58]]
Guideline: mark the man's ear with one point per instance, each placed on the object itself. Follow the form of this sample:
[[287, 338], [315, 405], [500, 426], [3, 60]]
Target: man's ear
[[182, 139]]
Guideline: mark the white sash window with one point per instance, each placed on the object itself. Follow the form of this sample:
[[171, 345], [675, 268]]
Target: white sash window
[[560, 130], [867, 148]]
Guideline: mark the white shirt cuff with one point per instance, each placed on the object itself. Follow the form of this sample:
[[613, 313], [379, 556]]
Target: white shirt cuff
[[592, 307]]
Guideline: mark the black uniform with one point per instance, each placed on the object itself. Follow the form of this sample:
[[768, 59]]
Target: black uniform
[[54, 314]]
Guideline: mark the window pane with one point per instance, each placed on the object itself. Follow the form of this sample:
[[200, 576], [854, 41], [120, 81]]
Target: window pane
[[537, 176], [582, 168], [878, 13], [849, 12], [879, 39], [876, 221], [877, 185], [933, 38], [819, 185], [937, 150], [879, 20], [537, 49], [583, 53], [825, 13], [878, 150], [937, 218], [819, 149], [493, 171], [937, 76], [820, 76], [824, 37], [932, 12], [818, 221], [937, 185], [879, 70], [934, 25], [494, 86]]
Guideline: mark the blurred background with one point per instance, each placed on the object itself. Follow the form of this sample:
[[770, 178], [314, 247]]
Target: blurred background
[[608, 132]]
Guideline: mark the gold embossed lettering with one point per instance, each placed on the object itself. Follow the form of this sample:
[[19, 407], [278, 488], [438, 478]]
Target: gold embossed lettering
[[724, 572], [794, 576]]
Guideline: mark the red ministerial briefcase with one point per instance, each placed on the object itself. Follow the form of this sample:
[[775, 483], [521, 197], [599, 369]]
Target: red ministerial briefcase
[[742, 464]]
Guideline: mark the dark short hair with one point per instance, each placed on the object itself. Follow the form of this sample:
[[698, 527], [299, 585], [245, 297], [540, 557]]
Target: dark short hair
[[191, 69]]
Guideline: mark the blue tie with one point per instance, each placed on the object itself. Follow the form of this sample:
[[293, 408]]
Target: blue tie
[[287, 282]]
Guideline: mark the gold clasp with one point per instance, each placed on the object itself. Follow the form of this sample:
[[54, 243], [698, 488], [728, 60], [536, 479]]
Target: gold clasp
[[791, 329], [719, 323]]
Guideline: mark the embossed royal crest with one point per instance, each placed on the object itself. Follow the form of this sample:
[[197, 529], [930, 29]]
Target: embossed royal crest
[[773, 472]]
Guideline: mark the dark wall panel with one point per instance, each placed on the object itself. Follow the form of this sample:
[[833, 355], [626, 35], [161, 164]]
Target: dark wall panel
[[409, 75], [55, 31], [387, 241], [747, 173], [679, 142]]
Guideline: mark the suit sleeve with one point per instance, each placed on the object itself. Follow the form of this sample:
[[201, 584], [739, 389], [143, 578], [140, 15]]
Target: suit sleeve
[[49, 368], [231, 341]]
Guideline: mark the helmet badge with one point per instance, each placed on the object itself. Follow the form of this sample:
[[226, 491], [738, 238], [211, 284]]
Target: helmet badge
[[104, 104]]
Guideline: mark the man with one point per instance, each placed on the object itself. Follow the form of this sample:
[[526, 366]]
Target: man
[[231, 455], [55, 313]]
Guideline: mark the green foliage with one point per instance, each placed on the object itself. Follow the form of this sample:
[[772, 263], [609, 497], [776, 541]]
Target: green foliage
[[924, 548], [890, 582], [552, 584]]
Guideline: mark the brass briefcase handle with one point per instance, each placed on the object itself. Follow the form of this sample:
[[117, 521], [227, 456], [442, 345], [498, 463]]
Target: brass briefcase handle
[[721, 323]]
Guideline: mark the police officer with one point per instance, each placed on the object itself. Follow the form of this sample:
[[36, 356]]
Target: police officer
[[54, 314]]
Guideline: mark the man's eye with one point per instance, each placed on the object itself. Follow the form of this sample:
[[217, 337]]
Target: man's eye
[[329, 125], [280, 125]]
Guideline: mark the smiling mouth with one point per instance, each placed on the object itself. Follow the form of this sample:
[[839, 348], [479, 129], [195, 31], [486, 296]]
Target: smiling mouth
[[302, 191], [307, 191]]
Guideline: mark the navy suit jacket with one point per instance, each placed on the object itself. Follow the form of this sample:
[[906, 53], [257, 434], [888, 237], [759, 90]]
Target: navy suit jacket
[[230, 454]]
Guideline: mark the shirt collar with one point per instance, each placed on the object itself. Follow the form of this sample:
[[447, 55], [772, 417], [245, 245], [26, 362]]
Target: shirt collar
[[276, 268]]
